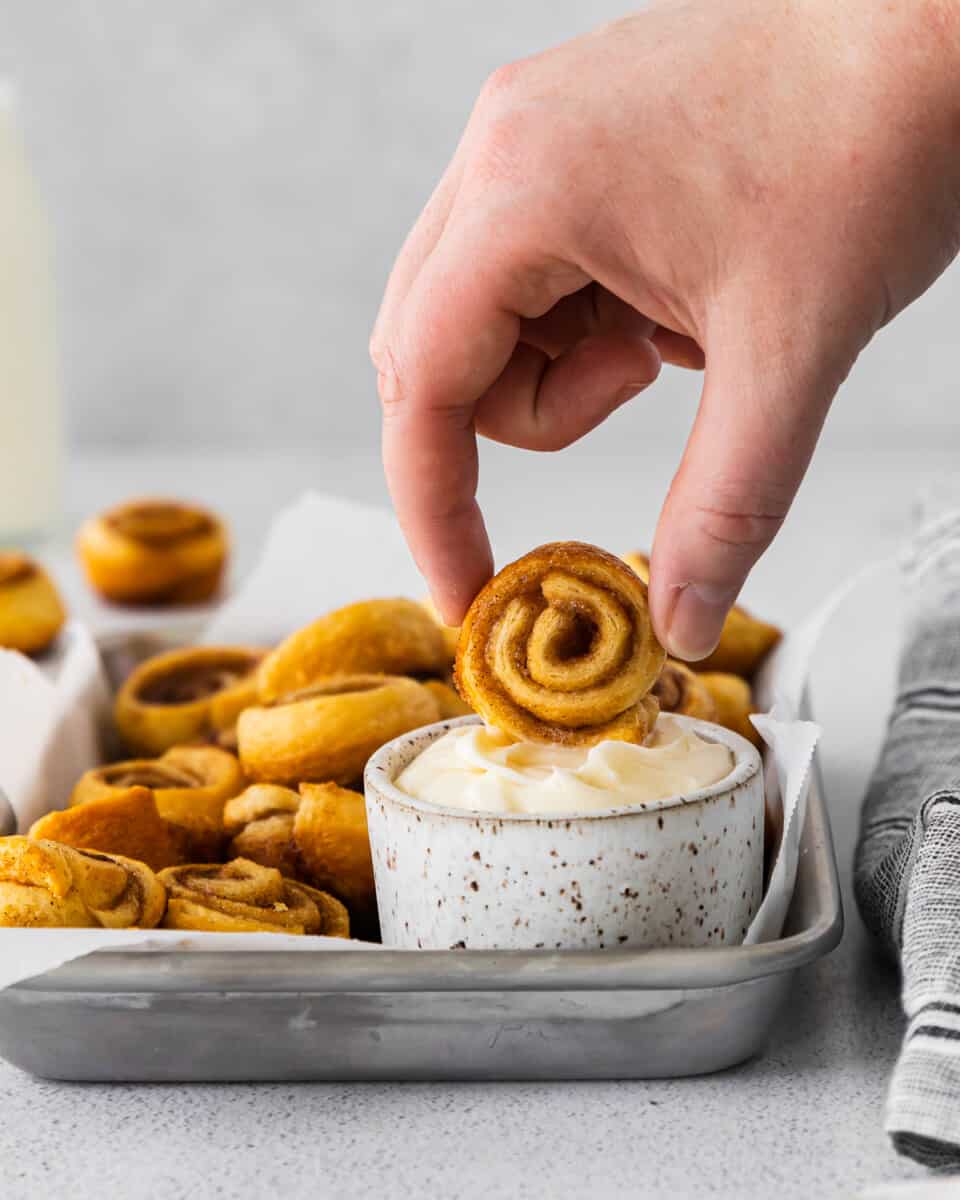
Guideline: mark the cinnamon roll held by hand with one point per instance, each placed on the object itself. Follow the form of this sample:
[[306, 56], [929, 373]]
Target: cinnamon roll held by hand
[[190, 785], [243, 897], [31, 613], [187, 695], [558, 647], [45, 884], [328, 731], [154, 552], [126, 823], [679, 690], [386, 637]]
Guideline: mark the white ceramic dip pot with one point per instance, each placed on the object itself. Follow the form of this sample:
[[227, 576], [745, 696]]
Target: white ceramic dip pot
[[682, 871]]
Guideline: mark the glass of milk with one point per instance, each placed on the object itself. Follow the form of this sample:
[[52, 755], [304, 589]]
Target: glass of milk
[[31, 429]]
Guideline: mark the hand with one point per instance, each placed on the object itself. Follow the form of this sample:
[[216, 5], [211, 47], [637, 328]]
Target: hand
[[758, 187]]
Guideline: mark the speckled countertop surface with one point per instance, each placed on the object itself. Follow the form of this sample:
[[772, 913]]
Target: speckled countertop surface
[[805, 1120]]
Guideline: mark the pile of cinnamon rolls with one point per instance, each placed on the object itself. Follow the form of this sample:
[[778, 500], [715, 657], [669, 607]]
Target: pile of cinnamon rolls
[[239, 806]]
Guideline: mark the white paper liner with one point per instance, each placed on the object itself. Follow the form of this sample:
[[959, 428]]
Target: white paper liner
[[321, 553], [51, 712]]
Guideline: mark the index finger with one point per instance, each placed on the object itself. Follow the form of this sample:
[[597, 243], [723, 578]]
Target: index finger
[[452, 337]]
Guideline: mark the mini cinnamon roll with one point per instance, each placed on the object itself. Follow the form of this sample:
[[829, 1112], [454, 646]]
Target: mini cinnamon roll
[[328, 731], [330, 829], [186, 696], [745, 641], [733, 700], [449, 704], [154, 551], [679, 690], [190, 785], [243, 897], [259, 823], [384, 637], [47, 885], [31, 613], [558, 647], [125, 823]]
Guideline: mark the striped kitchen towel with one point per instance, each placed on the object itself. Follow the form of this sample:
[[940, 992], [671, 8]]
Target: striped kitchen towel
[[907, 868]]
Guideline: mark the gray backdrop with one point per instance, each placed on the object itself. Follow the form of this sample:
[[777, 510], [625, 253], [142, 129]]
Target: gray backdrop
[[228, 182]]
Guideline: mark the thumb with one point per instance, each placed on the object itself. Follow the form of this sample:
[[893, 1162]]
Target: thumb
[[754, 434]]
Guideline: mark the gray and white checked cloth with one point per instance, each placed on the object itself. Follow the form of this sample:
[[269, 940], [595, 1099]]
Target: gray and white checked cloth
[[907, 867]]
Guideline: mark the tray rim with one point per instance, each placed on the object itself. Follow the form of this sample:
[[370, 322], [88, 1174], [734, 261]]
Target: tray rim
[[676, 968]]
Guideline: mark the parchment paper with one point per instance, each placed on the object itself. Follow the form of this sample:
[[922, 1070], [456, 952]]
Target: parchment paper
[[321, 553]]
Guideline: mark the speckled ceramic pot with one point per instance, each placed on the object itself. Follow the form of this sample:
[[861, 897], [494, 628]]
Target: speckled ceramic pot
[[683, 871]]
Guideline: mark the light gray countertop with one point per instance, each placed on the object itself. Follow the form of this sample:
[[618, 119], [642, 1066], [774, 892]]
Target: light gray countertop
[[805, 1120]]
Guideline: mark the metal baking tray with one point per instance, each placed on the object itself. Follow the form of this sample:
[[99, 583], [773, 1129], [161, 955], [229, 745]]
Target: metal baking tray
[[405, 1015]]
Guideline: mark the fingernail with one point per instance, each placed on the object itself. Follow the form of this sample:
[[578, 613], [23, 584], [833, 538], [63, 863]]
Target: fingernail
[[696, 618]]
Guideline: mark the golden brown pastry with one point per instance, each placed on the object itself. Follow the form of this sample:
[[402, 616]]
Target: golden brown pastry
[[449, 704], [45, 884], [125, 823], [259, 823], [733, 700], [31, 613], [679, 690], [328, 731], [330, 829], [558, 647], [451, 633], [243, 897], [384, 637], [638, 562], [154, 551], [190, 785], [186, 696], [744, 642]]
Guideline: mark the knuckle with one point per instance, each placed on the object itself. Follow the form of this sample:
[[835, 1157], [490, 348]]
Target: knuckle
[[503, 129], [501, 152], [388, 379], [739, 526], [503, 84], [375, 350]]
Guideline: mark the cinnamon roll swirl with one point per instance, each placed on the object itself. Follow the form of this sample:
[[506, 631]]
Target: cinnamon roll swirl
[[679, 690], [190, 785], [259, 823], [31, 613], [186, 696], [154, 551], [558, 647], [385, 637], [243, 897], [126, 822], [45, 884], [328, 731]]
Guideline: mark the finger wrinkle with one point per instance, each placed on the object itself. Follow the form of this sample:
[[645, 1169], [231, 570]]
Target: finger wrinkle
[[737, 529]]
